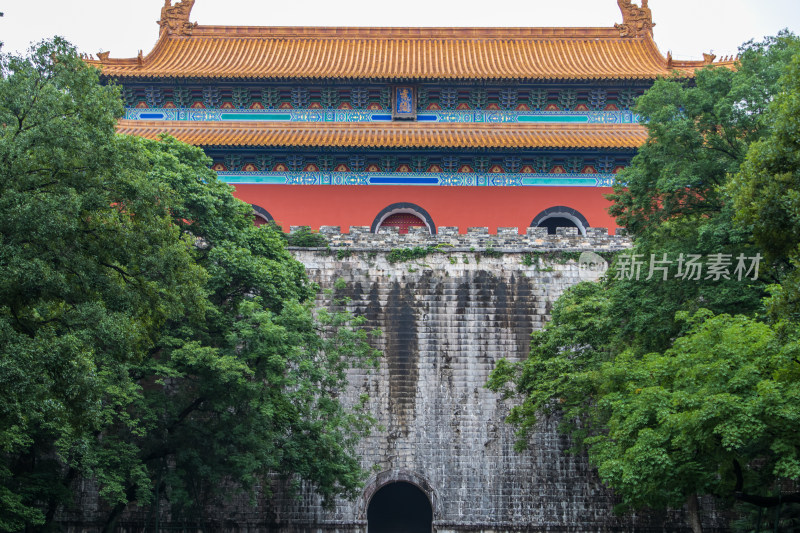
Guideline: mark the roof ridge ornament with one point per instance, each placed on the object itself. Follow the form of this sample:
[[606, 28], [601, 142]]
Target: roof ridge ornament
[[636, 21], [175, 19]]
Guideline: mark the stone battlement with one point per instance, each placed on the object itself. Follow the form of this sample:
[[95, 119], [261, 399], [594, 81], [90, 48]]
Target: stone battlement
[[476, 239]]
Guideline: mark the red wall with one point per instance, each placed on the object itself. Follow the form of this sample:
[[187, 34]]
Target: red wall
[[464, 207]]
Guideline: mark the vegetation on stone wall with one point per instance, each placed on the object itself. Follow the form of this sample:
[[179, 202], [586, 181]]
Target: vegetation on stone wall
[[682, 388], [152, 339], [401, 255], [305, 237]]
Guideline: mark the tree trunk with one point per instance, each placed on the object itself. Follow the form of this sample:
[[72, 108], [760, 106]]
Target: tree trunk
[[116, 512], [55, 502], [694, 514]]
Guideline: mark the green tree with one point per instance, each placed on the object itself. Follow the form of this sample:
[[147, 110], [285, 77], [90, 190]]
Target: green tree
[[714, 414], [151, 337], [668, 407], [91, 267], [699, 133], [766, 192], [673, 197], [247, 386]]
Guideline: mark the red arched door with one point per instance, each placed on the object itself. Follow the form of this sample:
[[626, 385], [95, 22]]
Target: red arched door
[[403, 221]]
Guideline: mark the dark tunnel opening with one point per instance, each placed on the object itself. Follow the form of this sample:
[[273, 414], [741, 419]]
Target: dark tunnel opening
[[557, 222], [399, 508]]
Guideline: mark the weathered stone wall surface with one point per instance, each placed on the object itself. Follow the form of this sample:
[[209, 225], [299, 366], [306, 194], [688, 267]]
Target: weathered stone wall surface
[[447, 318], [509, 239]]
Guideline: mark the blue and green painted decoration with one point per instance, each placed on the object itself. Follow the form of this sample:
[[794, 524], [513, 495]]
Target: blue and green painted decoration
[[365, 101], [339, 115], [426, 167], [379, 101], [428, 179]]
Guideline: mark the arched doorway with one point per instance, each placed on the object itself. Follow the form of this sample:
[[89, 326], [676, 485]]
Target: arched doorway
[[262, 216], [403, 221], [399, 507], [557, 222], [560, 217], [403, 216]]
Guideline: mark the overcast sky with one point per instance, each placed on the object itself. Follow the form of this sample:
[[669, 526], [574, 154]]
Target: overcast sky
[[686, 27]]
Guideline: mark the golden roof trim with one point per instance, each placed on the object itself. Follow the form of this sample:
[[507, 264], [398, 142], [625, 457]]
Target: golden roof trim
[[637, 21], [175, 19], [389, 32]]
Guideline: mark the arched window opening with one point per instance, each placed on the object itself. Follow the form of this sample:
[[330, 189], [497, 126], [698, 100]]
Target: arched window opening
[[399, 507], [403, 216], [557, 222], [403, 221], [560, 217], [262, 216]]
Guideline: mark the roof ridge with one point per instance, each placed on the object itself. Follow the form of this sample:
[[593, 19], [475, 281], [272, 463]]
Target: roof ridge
[[391, 32]]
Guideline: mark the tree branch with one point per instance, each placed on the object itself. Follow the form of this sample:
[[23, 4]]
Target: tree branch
[[125, 275], [737, 470], [768, 501], [186, 412]]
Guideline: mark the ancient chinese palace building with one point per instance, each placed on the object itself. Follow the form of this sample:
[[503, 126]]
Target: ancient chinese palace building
[[494, 129], [497, 127]]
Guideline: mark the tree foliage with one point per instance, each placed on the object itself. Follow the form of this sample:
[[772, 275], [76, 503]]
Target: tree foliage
[[151, 337], [678, 388], [714, 414], [92, 267], [699, 133], [766, 192]]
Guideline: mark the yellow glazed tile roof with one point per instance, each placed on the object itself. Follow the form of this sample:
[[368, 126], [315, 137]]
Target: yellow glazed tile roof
[[394, 135], [401, 53]]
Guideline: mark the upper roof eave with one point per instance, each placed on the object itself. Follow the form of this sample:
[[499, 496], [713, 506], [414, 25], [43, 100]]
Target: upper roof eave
[[245, 52], [185, 49]]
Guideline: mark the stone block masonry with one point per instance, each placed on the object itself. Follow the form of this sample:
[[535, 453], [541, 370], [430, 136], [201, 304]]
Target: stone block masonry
[[505, 240], [447, 317]]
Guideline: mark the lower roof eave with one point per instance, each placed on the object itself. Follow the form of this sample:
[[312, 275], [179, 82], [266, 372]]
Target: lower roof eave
[[394, 135]]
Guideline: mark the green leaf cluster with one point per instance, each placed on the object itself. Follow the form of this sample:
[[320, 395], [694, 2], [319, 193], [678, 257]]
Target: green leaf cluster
[[306, 238], [678, 388], [152, 338], [401, 255], [766, 193]]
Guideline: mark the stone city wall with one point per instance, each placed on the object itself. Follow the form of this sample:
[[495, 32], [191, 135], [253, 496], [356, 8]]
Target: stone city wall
[[447, 317]]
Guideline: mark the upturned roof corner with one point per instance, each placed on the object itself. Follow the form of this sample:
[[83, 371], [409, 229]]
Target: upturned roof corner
[[175, 19], [636, 21]]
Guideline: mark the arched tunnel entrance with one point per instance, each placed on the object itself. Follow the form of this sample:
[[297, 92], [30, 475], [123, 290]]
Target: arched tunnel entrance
[[557, 222], [399, 508]]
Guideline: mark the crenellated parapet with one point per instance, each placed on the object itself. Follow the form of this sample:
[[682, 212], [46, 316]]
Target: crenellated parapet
[[448, 239]]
